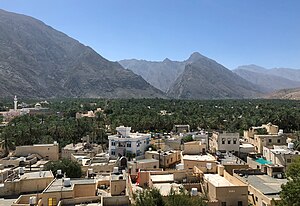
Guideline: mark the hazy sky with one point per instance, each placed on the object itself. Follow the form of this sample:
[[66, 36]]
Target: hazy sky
[[233, 32]]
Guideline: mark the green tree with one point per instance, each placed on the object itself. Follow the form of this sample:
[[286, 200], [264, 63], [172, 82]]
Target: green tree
[[183, 197], [71, 168], [291, 190], [149, 197]]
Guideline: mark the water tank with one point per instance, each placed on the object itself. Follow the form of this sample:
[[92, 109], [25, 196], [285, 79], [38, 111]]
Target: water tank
[[116, 170], [208, 166], [220, 170], [32, 200], [90, 171], [59, 174], [67, 182], [21, 170], [55, 143], [291, 145], [180, 166], [194, 192], [280, 132]]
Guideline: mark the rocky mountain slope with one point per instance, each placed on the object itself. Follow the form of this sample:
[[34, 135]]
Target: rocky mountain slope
[[38, 61], [293, 94], [204, 78], [159, 74], [270, 79]]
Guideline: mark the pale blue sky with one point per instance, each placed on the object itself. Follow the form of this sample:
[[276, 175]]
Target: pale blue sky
[[233, 32]]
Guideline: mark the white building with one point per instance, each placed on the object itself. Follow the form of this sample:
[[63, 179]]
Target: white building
[[125, 142]]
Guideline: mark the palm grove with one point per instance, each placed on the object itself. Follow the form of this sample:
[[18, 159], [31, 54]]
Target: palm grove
[[144, 115]]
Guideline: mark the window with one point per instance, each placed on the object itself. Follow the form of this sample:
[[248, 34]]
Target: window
[[153, 157], [154, 166], [270, 140], [256, 199], [113, 143], [234, 141], [223, 141], [52, 201], [113, 152], [228, 141], [128, 144], [278, 140], [223, 203], [240, 203], [171, 159], [288, 160]]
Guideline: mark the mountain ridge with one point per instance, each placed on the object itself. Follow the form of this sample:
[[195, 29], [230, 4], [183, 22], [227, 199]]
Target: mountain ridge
[[270, 79], [37, 61]]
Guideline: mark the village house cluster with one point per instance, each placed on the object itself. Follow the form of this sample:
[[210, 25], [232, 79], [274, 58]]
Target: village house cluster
[[231, 170]]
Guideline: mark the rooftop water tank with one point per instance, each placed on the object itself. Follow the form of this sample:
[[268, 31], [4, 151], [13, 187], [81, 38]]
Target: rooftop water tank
[[280, 132], [291, 145], [116, 170], [90, 171], [180, 166], [208, 166], [32, 200], [67, 182], [194, 192], [21, 170]]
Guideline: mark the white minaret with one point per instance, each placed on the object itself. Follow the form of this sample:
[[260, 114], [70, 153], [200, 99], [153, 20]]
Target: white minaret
[[15, 103]]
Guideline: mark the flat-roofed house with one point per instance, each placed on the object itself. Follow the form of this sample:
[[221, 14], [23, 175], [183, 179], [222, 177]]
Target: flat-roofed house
[[225, 192]]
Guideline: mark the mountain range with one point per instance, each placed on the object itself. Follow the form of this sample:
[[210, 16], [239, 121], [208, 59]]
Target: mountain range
[[37, 61], [198, 77], [270, 79]]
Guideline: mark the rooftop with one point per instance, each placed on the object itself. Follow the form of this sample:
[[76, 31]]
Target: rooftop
[[229, 159], [165, 188], [162, 178], [145, 161], [77, 146], [217, 180], [35, 175], [265, 184], [246, 145], [58, 185], [199, 157]]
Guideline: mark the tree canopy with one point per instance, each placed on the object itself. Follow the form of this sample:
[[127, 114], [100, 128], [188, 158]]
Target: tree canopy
[[71, 168], [291, 190], [152, 197]]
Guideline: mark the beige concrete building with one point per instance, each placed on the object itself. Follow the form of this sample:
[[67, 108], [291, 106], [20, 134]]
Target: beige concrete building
[[225, 191], [263, 189], [166, 159], [227, 142], [280, 155], [270, 129], [273, 136], [194, 148], [181, 128], [143, 164], [46, 151], [32, 182], [85, 148], [206, 163]]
